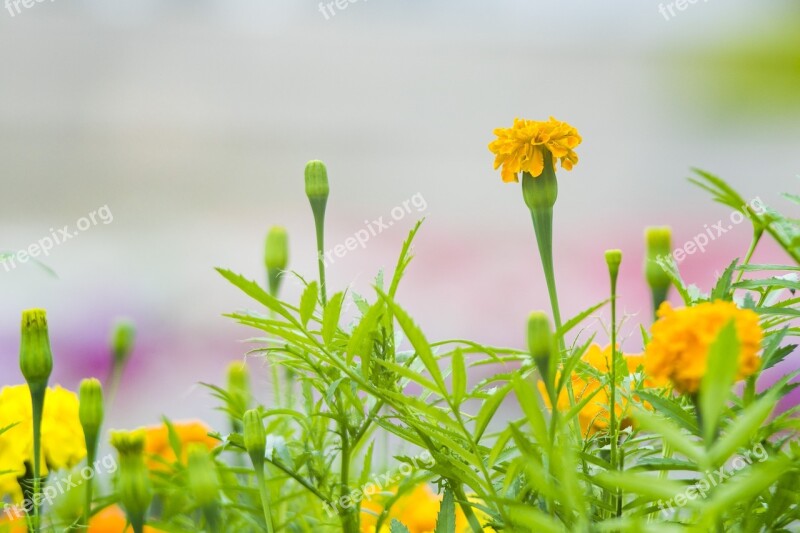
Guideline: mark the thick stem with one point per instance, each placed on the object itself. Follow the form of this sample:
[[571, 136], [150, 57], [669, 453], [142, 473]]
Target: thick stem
[[37, 404], [349, 518], [262, 490], [543, 227], [91, 455], [319, 224]]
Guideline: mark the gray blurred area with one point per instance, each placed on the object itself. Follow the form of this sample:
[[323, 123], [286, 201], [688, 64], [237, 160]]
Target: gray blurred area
[[192, 122]]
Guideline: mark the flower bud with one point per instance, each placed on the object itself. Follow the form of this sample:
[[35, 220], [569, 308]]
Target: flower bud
[[255, 437], [276, 256], [122, 339], [203, 476], [35, 357], [134, 488], [540, 343], [613, 260], [317, 181], [659, 249], [238, 391], [90, 411]]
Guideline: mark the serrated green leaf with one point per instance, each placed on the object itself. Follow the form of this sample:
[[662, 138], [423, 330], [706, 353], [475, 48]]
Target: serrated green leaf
[[308, 302], [330, 317], [526, 395], [446, 521], [488, 409], [397, 527], [740, 432], [715, 387], [459, 376]]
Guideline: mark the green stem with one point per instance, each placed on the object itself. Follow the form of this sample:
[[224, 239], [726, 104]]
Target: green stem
[[91, 455], [753, 243], [469, 514], [319, 224], [262, 490], [543, 227], [659, 296], [349, 518], [37, 404], [613, 393]]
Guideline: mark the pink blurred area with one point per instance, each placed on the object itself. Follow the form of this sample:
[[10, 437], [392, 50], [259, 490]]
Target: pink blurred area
[[192, 123]]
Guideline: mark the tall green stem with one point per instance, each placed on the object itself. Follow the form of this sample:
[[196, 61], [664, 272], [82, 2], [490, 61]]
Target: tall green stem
[[37, 404], [319, 223], [262, 490], [543, 227]]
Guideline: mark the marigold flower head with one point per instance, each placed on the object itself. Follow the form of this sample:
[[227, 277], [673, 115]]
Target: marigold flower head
[[521, 148], [157, 443], [682, 338], [63, 444], [594, 415], [417, 510]]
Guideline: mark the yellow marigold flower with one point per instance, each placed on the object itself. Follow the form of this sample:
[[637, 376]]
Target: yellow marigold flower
[[417, 510], [682, 337], [521, 147], [63, 444], [594, 415], [157, 441]]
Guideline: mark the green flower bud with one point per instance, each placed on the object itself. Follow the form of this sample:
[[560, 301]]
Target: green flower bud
[[276, 256], [203, 476], [133, 484], [255, 437], [276, 253], [317, 187], [90, 411], [659, 249], [613, 260], [540, 344], [35, 357], [239, 390], [122, 339]]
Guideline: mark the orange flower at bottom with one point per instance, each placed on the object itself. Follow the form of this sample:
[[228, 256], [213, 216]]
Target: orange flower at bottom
[[109, 520], [417, 510], [112, 520], [594, 415], [157, 441]]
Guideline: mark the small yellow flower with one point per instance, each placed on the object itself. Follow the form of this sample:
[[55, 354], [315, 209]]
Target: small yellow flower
[[682, 338], [63, 444], [521, 148], [594, 415]]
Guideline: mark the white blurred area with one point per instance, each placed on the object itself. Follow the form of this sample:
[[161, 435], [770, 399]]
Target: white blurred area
[[192, 121]]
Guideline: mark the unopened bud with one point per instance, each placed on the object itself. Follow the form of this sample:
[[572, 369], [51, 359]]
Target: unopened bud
[[203, 476], [255, 437], [613, 260], [540, 342], [35, 357], [134, 488], [659, 249], [276, 256], [90, 411], [122, 339], [317, 180]]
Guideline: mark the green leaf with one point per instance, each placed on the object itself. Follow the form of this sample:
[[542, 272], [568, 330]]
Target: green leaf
[[651, 487], [526, 395], [446, 521], [459, 376], [715, 388], [771, 283], [397, 527], [722, 290], [253, 290], [671, 434], [577, 319], [308, 302], [741, 431], [330, 317], [488, 409], [361, 341], [671, 409], [418, 341]]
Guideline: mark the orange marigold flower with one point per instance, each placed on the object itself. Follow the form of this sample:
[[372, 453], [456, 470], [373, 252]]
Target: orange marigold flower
[[157, 443], [521, 148], [112, 520], [594, 415], [682, 337], [417, 510]]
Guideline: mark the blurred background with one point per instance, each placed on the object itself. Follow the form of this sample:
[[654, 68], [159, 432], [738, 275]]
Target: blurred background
[[188, 123]]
